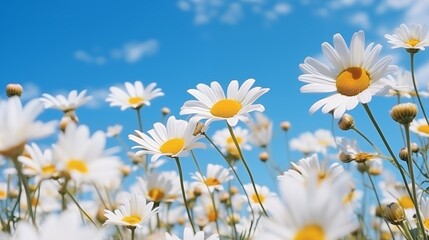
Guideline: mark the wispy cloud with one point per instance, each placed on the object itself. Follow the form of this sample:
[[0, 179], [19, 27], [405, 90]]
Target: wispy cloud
[[30, 91], [130, 52], [98, 99], [360, 19], [232, 12], [133, 51], [84, 56]]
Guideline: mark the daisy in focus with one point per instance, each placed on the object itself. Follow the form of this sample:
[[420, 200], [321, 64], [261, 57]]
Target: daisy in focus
[[133, 213], [415, 37], [135, 96], [174, 139], [18, 125], [73, 101], [354, 76], [213, 104], [188, 234]]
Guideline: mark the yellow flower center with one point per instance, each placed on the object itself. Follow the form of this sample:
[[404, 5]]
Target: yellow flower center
[[426, 223], [172, 146], [3, 194], [77, 165], [212, 215], [352, 81], [48, 169], [321, 176], [156, 194], [135, 100], [255, 198], [226, 108], [423, 129], [231, 141], [406, 202], [349, 197], [131, 219], [310, 232], [362, 157], [413, 42], [212, 182]]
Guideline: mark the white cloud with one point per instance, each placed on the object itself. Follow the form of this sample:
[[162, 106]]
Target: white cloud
[[30, 91], [134, 51], [184, 5], [88, 58], [422, 75], [98, 98], [233, 14], [393, 4], [360, 19], [418, 12]]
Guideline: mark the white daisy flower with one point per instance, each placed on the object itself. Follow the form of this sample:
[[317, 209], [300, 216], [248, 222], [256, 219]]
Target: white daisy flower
[[18, 125], [354, 74], [223, 140], [265, 196], [84, 157], [400, 83], [216, 175], [133, 213], [65, 225], [212, 103], [160, 187], [174, 139], [188, 234], [413, 37], [305, 143], [135, 96], [37, 162], [3, 190], [312, 211], [261, 130], [424, 212], [325, 139], [73, 101], [420, 127]]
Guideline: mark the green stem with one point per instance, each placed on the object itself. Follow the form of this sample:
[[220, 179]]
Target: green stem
[[24, 181], [237, 145], [389, 149], [80, 208], [133, 231], [367, 139], [415, 86], [413, 180], [179, 167]]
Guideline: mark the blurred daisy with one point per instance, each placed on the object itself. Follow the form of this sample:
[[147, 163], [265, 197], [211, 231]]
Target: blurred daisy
[[174, 139], [216, 175], [188, 234], [113, 131], [424, 211], [73, 101], [18, 125], [84, 157], [420, 127], [3, 191], [265, 196], [223, 140], [37, 162], [305, 143], [261, 130], [401, 84], [160, 187], [413, 37], [325, 139], [135, 96], [313, 211], [212, 103], [65, 225], [133, 213], [354, 74]]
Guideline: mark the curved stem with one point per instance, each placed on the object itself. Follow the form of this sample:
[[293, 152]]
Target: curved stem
[[367, 139], [80, 208], [415, 86], [24, 181], [179, 167], [237, 145], [413, 180]]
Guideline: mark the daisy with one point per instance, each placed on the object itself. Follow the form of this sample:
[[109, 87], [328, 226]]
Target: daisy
[[174, 139], [160, 187], [264, 193], [313, 211], [114, 131], [424, 211], [354, 75], [216, 175], [73, 101], [83, 156], [135, 96], [413, 37], [420, 127], [3, 191], [133, 213], [261, 130], [401, 84], [305, 143], [37, 162], [188, 234], [18, 125], [223, 140], [212, 103]]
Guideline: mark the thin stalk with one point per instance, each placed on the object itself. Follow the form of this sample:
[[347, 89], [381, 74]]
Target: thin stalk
[[413, 180], [133, 231], [24, 181], [367, 139], [237, 145], [415, 85], [179, 167], [80, 208]]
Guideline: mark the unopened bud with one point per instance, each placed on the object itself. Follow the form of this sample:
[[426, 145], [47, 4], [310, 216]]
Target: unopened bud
[[13, 89], [198, 129], [394, 213], [403, 154], [346, 122], [404, 113], [285, 125], [345, 158], [264, 156], [165, 111], [362, 167], [415, 148]]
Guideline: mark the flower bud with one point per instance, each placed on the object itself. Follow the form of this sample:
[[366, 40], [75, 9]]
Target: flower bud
[[346, 122], [394, 213], [404, 113], [403, 154], [285, 125], [264, 156], [13, 89]]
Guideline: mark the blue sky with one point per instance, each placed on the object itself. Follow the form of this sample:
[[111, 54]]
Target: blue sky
[[57, 46]]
